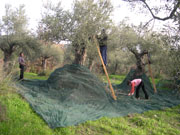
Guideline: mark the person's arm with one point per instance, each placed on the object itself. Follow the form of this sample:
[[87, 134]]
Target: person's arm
[[132, 89]]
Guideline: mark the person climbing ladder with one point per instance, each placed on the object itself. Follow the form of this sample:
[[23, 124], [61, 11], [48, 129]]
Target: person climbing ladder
[[103, 45], [139, 84]]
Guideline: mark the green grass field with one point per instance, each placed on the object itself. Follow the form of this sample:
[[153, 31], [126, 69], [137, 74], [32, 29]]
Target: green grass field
[[17, 118], [34, 76]]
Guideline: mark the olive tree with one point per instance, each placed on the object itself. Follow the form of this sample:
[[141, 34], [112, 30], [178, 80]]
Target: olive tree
[[49, 51], [14, 35], [77, 26], [139, 42]]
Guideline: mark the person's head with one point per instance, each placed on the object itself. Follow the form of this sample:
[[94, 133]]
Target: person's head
[[21, 54], [103, 31], [129, 82]]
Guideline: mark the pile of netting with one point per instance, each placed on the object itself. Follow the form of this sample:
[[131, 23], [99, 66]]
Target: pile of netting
[[72, 95]]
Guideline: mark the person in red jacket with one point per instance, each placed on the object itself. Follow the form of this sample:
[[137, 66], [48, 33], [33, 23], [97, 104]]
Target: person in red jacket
[[138, 83]]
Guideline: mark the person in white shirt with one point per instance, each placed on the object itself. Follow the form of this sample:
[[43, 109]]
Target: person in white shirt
[[139, 84]]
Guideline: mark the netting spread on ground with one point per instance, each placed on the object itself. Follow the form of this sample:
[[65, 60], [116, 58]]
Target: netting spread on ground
[[72, 95]]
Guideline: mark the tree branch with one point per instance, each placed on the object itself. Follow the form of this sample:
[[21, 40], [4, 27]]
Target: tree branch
[[143, 53], [154, 16], [133, 51], [2, 48], [148, 23], [165, 18]]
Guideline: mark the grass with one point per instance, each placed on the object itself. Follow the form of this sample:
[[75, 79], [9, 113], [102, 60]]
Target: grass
[[20, 119], [28, 75], [115, 79]]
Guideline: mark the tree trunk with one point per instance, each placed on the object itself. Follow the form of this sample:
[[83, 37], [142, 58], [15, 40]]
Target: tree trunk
[[91, 64], [44, 63], [140, 65], [115, 68], [80, 56]]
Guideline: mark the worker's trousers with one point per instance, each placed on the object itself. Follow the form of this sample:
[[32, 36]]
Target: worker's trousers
[[103, 50], [141, 85]]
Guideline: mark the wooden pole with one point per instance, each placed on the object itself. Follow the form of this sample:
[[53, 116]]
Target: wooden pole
[[104, 67], [150, 72]]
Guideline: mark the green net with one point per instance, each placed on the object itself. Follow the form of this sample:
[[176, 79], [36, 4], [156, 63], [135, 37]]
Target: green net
[[72, 95]]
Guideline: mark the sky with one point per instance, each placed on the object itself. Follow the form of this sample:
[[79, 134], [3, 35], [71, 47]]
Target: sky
[[34, 10]]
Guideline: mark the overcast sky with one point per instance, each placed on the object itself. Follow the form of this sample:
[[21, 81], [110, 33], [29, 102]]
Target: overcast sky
[[34, 9]]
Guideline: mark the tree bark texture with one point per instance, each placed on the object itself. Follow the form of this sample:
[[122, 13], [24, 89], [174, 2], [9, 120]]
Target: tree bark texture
[[140, 65], [80, 56], [91, 64]]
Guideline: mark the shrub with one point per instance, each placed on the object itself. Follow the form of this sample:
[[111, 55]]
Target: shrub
[[7, 79]]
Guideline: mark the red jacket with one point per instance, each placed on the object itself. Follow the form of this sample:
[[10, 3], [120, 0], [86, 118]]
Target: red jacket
[[134, 83]]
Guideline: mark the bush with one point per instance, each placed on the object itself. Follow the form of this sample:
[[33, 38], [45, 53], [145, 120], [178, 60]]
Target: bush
[[33, 69], [6, 79]]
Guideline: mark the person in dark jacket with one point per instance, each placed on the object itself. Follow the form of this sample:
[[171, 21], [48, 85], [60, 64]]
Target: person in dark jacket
[[103, 45], [21, 65]]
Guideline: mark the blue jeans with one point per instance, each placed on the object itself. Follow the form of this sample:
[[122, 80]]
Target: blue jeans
[[103, 50]]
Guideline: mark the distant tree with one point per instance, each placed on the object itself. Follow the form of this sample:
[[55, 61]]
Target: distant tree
[[68, 55], [172, 62], [49, 35], [14, 34], [53, 27], [49, 51], [119, 59]]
